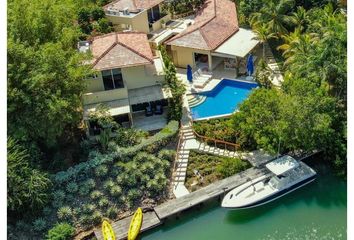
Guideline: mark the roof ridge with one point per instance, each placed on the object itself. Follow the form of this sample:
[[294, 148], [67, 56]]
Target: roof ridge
[[198, 28], [136, 52], [105, 53]]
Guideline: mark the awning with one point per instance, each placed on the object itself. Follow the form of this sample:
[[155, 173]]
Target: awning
[[148, 94], [239, 45], [116, 107]]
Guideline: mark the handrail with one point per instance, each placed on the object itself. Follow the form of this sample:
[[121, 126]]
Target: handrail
[[216, 141]]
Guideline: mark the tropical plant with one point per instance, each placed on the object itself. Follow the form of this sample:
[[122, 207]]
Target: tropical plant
[[264, 74], [72, 187], [263, 34], [61, 231], [39, 225], [276, 15], [174, 84], [27, 187], [231, 166], [64, 213]]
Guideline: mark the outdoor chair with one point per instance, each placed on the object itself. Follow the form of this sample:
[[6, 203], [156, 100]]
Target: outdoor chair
[[148, 111], [158, 110]]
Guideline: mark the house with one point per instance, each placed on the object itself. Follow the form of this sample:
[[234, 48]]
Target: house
[[139, 15], [128, 78], [214, 39]]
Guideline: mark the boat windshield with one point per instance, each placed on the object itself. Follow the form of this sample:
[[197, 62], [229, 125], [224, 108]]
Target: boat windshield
[[273, 182]]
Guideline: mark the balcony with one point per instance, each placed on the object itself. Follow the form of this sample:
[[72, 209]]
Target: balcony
[[105, 96]]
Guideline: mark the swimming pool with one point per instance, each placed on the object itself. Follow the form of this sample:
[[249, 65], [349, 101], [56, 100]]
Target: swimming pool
[[223, 99]]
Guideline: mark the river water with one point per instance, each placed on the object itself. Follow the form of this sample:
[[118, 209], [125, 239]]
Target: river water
[[316, 211]]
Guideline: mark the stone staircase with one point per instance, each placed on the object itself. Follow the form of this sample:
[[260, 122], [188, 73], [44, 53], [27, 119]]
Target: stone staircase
[[277, 76], [195, 99]]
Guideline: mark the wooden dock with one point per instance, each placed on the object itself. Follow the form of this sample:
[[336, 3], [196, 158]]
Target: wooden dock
[[174, 206], [211, 191], [121, 227]]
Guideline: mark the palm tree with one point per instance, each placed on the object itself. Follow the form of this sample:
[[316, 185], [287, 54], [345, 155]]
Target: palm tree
[[276, 14], [300, 18], [297, 44], [263, 34]]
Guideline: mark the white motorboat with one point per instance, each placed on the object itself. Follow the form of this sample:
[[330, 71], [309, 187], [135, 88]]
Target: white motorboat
[[286, 175]]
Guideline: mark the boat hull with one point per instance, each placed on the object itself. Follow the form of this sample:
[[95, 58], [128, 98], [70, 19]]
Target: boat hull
[[276, 195]]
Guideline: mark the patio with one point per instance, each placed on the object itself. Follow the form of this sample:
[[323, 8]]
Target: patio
[[154, 122]]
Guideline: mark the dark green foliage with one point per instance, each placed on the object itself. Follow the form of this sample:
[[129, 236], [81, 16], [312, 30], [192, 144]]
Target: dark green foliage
[[27, 187], [182, 7], [231, 166], [221, 129], [61, 231], [39, 224], [97, 13], [167, 155], [83, 16], [211, 168]]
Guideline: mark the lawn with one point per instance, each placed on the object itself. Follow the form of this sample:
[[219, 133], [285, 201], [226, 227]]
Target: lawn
[[211, 168]]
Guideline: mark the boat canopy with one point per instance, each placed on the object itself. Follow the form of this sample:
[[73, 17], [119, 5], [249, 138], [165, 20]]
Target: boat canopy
[[282, 165]]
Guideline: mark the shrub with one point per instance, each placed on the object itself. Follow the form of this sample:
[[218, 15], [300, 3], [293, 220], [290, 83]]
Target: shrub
[[116, 191], [39, 224], [88, 208], [112, 212], [65, 213], [61, 231], [96, 217], [167, 155], [221, 129], [103, 202], [133, 195], [231, 166], [72, 187], [58, 195], [87, 186], [107, 185], [101, 171], [47, 211], [96, 194], [97, 13]]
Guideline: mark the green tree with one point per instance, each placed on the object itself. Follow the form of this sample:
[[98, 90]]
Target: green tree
[[276, 15], [175, 85], [45, 86], [263, 34], [27, 188], [264, 74]]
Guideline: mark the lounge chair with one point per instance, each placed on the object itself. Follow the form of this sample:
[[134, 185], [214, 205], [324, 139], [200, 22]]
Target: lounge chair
[[158, 110], [148, 111]]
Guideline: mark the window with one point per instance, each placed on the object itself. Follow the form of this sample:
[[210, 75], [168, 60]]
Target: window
[[112, 79]]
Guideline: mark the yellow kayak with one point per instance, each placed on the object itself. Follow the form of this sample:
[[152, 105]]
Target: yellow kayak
[[135, 224], [107, 231]]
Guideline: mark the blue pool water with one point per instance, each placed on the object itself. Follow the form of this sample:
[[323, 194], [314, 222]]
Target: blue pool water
[[223, 99]]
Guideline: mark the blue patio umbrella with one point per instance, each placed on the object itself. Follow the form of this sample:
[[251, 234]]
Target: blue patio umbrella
[[250, 67], [189, 73]]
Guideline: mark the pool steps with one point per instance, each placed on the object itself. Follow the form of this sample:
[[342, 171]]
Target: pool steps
[[195, 99]]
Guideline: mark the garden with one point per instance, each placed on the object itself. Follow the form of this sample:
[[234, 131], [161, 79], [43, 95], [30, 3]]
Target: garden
[[121, 174], [204, 169]]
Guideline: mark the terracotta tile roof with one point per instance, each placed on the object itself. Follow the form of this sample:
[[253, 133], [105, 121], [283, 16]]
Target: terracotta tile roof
[[132, 5], [214, 24], [117, 50]]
